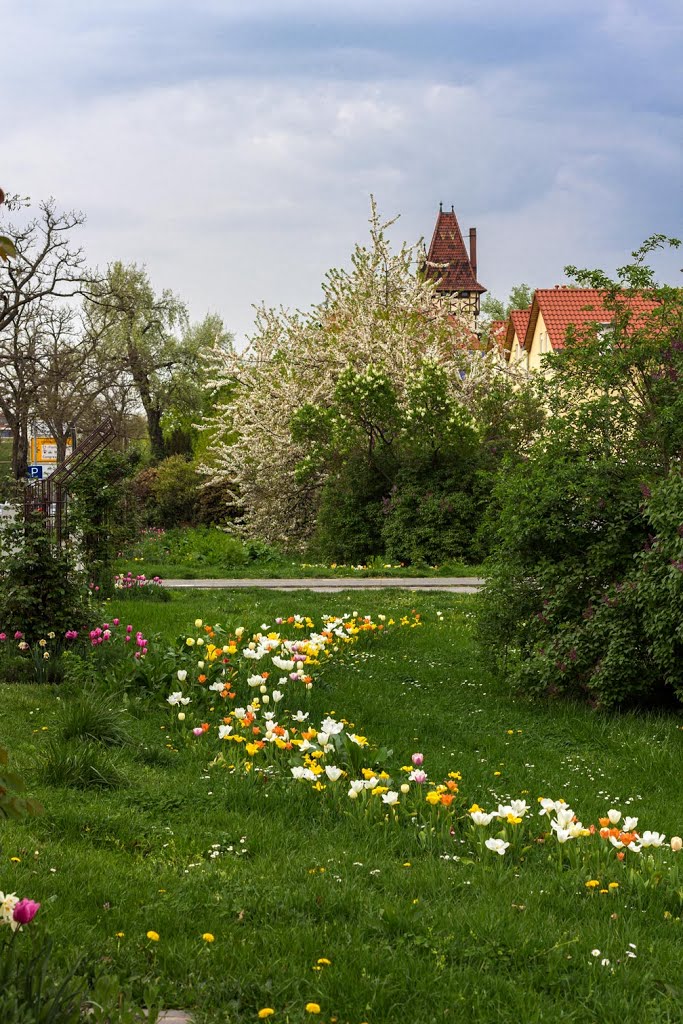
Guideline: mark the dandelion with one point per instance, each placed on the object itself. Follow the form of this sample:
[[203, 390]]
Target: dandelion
[[312, 1008], [153, 936], [267, 1011], [208, 937]]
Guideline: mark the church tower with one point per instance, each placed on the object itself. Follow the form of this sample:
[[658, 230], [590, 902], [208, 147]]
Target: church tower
[[449, 263]]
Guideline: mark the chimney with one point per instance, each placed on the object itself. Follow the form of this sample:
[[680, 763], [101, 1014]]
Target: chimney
[[473, 251]]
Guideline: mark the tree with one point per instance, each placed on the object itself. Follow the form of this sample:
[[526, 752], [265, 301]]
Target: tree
[[46, 266], [139, 337], [519, 298], [592, 519], [381, 313]]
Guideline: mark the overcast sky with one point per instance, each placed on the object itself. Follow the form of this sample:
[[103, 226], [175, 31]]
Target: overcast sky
[[232, 146]]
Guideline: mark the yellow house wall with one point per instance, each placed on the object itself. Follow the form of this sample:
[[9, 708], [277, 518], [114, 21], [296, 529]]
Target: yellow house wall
[[540, 344]]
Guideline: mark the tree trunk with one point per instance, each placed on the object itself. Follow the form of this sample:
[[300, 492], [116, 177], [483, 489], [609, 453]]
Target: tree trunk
[[19, 448], [156, 435]]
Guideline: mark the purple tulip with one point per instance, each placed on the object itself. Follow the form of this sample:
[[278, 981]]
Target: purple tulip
[[25, 911]]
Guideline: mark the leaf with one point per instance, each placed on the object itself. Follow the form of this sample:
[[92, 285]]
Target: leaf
[[7, 247]]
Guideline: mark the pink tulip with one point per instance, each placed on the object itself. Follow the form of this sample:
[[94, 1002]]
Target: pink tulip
[[418, 776], [18, 635], [115, 621], [25, 911], [3, 636], [418, 759], [198, 730]]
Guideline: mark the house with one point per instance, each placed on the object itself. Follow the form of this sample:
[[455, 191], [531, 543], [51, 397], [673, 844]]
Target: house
[[515, 335], [454, 269], [542, 329]]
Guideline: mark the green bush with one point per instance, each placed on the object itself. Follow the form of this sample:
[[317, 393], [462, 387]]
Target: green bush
[[585, 583], [100, 515], [175, 491], [40, 591], [350, 517]]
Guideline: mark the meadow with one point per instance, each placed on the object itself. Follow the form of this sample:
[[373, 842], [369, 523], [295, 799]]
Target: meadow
[[241, 892]]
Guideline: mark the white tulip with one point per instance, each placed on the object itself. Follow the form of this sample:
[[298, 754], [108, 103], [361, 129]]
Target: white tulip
[[496, 845], [614, 816]]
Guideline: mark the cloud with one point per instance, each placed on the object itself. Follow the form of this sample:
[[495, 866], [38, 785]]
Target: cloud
[[232, 147]]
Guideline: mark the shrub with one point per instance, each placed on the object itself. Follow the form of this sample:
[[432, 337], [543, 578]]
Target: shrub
[[350, 518], [175, 491], [99, 515], [40, 591], [585, 590]]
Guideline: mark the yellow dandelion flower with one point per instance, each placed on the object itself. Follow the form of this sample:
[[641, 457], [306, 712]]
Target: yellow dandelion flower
[[312, 1008], [267, 1011], [324, 960], [592, 884], [153, 936]]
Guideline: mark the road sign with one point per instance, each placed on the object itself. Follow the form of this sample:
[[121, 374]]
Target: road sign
[[35, 472]]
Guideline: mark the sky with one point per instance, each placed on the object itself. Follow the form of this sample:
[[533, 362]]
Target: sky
[[232, 146]]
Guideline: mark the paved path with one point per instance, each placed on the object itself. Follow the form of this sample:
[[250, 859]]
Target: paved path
[[450, 584]]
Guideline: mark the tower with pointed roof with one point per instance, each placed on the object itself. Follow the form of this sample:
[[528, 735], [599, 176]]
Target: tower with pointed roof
[[452, 267]]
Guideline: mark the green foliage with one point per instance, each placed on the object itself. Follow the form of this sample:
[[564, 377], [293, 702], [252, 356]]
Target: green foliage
[[13, 804], [519, 298], [99, 514], [584, 592], [95, 716], [81, 765], [40, 591], [408, 475], [175, 491], [32, 991]]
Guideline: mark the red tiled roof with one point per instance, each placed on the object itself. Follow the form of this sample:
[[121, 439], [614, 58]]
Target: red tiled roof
[[497, 334], [517, 324], [564, 306], [448, 260]]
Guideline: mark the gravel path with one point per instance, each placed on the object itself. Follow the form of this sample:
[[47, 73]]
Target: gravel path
[[450, 584]]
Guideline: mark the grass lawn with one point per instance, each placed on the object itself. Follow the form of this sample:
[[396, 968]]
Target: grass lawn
[[206, 552], [417, 926]]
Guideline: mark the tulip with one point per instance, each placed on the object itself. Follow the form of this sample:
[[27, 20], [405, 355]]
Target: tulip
[[25, 911], [418, 760], [405, 788], [496, 845], [614, 816], [181, 716], [676, 844], [197, 730]]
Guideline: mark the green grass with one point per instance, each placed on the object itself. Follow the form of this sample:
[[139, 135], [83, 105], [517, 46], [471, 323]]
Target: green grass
[[500, 942], [205, 552]]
